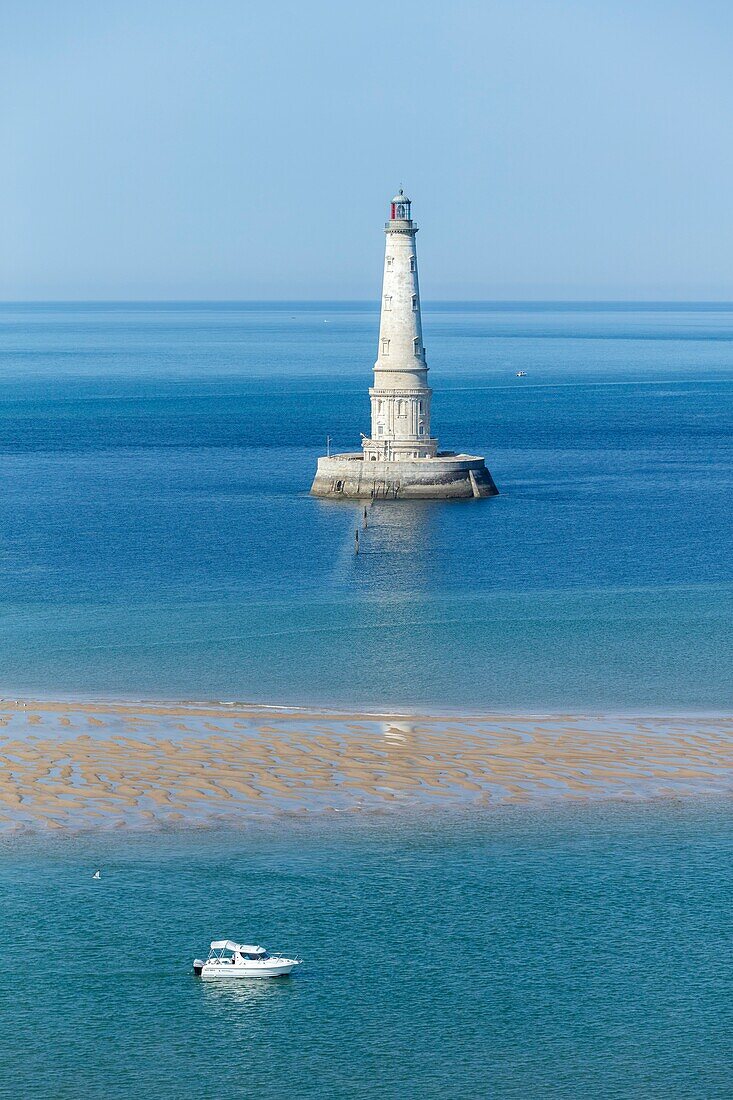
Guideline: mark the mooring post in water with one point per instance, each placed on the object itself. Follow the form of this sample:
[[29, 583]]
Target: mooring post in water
[[366, 524], [356, 541]]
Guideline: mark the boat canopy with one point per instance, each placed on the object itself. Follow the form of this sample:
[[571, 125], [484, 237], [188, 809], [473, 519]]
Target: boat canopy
[[243, 948]]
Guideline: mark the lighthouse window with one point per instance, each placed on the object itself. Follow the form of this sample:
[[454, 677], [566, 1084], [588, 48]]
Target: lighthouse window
[[385, 347], [416, 346], [412, 263], [390, 261], [414, 302], [388, 301]]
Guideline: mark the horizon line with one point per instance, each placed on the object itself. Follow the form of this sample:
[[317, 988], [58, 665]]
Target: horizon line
[[375, 302]]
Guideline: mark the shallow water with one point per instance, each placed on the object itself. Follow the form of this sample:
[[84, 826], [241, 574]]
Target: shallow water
[[577, 953], [156, 536]]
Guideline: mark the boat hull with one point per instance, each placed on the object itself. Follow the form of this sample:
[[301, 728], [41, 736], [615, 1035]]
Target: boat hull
[[256, 970]]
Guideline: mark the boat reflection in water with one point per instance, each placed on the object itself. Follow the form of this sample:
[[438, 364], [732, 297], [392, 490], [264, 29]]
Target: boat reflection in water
[[228, 996]]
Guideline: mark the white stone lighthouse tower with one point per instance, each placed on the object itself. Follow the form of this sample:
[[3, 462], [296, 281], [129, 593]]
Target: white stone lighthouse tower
[[400, 395], [400, 459]]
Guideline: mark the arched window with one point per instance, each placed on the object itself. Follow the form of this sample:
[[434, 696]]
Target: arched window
[[388, 301], [412, 263], [416, 346], [414, 303]]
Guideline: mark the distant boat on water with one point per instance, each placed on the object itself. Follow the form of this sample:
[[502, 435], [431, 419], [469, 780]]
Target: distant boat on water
[[227, 959], [521, 374]]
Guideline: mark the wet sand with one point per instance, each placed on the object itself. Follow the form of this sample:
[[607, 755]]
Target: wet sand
[[69, 765]]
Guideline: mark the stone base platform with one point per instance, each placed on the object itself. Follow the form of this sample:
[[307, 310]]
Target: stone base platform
[[448, 476]]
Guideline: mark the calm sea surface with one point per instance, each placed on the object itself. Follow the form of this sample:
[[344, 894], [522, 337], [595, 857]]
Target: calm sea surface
[[156, 536], [566, 953]]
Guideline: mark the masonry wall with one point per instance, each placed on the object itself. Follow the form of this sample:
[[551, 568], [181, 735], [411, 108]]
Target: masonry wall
[[444, 478]]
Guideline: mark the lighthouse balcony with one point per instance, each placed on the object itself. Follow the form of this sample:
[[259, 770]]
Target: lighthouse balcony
[[399, 450]]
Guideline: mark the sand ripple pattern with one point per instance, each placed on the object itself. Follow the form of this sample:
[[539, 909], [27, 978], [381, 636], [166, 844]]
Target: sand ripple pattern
[[66, 765]]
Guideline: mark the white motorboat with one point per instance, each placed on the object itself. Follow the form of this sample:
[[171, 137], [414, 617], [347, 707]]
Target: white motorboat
[[227, 959]]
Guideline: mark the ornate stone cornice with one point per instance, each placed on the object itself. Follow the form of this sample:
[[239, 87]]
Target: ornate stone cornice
[[375, 391]]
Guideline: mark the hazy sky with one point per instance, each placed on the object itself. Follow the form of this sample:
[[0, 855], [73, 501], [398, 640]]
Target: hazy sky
[[223, 149]]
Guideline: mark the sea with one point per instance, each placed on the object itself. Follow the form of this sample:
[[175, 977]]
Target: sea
[[583, 952], [157, 538], [157, 541]]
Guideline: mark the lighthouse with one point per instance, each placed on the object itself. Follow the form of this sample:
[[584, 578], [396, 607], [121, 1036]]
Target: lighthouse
[[400, 396], [400, 458]]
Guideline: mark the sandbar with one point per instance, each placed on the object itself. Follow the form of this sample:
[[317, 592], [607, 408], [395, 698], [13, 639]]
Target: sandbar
[[91, 765]]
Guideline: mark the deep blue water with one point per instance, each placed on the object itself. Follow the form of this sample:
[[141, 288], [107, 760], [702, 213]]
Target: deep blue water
[[564, 953], [156, 536]]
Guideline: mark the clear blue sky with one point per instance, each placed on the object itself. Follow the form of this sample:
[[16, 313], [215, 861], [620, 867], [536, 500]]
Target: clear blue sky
[[230, 149]]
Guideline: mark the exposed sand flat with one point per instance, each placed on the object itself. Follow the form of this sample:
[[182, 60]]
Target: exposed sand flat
[[91, 765]]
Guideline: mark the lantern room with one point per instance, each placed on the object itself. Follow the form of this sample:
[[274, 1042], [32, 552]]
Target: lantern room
[[400, 209]]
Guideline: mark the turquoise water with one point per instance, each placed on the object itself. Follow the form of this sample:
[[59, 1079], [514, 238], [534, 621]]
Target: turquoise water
[[567, 954], [156, 536]]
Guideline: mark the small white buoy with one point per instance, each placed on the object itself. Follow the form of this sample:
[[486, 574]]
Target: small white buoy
[[97, 874]]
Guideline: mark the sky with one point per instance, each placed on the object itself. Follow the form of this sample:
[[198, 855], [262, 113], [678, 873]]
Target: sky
[[225, 149]]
